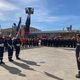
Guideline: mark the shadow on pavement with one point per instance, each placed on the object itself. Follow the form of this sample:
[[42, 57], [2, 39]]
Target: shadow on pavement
[[24, 66], [53, 76], [29, 62], [13, 70], [42, 62]]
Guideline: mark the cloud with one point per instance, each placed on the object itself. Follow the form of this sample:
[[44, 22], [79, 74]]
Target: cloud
[[42, 15], [28, 1], [7, 6]]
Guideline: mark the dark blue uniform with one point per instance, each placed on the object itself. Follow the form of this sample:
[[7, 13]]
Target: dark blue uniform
[[10, 48], [17, 43], [77, 55], [2, 44]]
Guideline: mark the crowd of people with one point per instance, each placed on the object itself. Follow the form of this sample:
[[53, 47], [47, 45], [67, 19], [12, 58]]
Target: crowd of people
[[50, 42], [10, 44], [14, 43], [59, 42]]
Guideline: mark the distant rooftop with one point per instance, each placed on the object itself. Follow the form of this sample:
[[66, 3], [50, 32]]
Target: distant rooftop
[[57, 31]]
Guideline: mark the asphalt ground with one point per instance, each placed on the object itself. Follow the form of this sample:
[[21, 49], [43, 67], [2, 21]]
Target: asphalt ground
[[41, 63]]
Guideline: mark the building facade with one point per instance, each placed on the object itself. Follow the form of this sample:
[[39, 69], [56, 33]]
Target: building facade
[[47, 34]]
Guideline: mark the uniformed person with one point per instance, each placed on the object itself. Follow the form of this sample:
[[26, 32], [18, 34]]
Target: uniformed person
[[78, 55], [10, 48], [2, 44], [17, 44]]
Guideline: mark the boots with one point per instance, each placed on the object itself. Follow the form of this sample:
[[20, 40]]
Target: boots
[[78, 75], [18, 58], [10, 59]]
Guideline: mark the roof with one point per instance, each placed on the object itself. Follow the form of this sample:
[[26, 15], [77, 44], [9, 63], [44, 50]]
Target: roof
[[57, 31]]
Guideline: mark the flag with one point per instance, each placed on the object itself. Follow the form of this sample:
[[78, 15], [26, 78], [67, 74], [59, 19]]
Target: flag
[[21, 31], [17, 28], [27, 25]]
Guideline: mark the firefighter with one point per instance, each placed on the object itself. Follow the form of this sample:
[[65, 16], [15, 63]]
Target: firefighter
[[17, 44], [10, 48], [78, 55], [2, 44]]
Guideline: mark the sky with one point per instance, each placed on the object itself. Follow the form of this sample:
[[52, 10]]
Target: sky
[[48, 15]]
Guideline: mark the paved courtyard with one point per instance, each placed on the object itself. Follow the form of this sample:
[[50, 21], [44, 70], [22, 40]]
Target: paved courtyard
[[44, 63]]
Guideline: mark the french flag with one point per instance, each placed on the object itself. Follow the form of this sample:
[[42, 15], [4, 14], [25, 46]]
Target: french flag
[[20, 29]]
